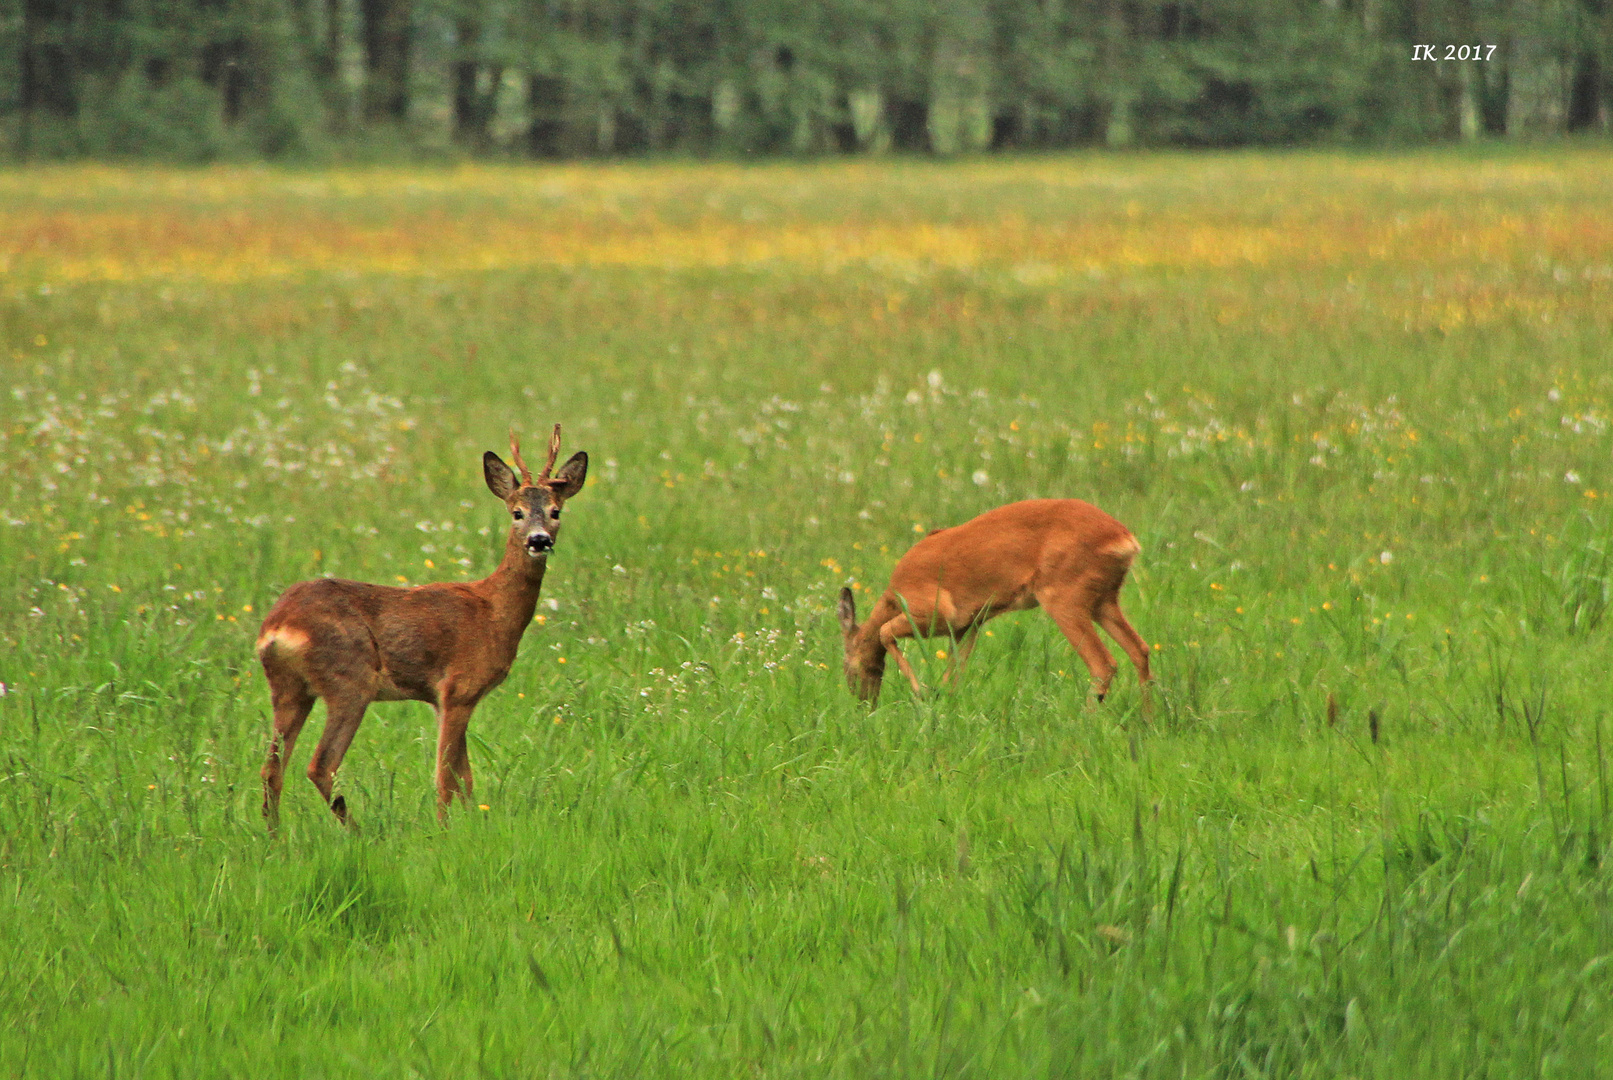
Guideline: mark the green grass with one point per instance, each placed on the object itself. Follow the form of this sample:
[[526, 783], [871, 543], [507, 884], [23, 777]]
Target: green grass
[[1370, 461]]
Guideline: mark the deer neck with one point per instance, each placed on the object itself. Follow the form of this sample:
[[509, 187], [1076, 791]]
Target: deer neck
[[513, 587]]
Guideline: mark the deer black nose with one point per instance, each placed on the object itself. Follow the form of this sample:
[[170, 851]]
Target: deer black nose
[[538, 541]]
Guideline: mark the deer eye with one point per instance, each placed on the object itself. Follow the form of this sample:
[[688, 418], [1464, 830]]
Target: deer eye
[[555, 513], [519, 515]]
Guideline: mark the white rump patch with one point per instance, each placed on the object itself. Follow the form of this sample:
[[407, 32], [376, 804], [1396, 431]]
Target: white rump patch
[[282, 639], [1126, 547]]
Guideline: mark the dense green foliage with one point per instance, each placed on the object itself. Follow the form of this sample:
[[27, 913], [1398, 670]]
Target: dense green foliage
[[371, 79], [1358, 411]]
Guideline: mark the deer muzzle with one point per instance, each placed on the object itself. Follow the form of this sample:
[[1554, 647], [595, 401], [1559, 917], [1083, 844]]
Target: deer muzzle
[[539, 543]]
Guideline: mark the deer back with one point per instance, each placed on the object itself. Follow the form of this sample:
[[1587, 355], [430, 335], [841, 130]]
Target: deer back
[[997, 561]]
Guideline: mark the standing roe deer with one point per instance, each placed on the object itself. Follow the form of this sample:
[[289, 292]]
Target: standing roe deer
[[1062, 554], [447, 643]]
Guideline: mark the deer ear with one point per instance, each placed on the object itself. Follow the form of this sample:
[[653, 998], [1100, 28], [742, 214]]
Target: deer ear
[[500, 477], [568, 481], [847, 610]]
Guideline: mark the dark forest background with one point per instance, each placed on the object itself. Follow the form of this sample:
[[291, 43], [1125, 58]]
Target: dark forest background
[[382, 79]]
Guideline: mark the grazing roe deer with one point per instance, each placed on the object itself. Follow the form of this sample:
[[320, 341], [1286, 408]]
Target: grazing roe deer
[[447, 643], [1064, 555]]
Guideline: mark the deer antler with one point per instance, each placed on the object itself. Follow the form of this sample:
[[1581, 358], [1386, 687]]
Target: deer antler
[[554, 452], [515, 452]]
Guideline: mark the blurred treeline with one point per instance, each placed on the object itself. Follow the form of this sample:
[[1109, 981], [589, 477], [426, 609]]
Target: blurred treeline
[[356, 79]]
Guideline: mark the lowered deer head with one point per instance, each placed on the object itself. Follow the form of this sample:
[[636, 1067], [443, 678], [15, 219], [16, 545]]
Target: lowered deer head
[[865, 655]]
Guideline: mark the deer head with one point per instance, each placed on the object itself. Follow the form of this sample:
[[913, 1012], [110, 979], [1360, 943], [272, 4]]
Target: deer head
[[535, 505], [865, 655]]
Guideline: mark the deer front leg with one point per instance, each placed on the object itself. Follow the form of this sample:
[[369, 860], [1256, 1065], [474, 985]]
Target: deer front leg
[[900, 627], [453, 756]]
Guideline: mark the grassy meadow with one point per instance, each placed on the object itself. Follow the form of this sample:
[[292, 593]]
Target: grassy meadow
[[1358, 410]]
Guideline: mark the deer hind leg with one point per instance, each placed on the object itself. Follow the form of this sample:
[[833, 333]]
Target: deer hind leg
[[453, 756], [900, 627], [292, 703], [1115, 625], [1072, 610], [344, 712]]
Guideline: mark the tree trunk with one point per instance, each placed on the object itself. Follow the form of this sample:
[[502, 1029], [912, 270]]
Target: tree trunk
[[1468, 121], [386, 59], [546, 103], [473, 107], [468, 128], [1585, 105], [1538, 87], [1119, 129], [224, 69], [48, 85], [320, 24]]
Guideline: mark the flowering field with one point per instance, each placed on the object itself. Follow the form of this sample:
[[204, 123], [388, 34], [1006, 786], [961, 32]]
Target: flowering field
[[1358, 410]]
